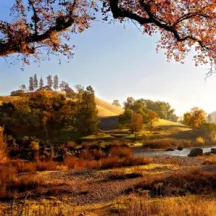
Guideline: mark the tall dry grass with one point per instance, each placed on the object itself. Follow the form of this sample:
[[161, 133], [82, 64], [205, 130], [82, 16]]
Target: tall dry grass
[[177, 206]]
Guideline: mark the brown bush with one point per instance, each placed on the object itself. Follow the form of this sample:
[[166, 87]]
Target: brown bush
[[71, 145], [11, 184], [23, 166], [166, 143], [75, 163], [108, 163], [196, 182], [8, 174], [25, 183], [113, 162], [46, 165], [120, 152], [86, 154], [140, 161]]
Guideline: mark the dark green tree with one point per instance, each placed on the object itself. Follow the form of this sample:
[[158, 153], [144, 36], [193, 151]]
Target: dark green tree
[[86, 117], [31, 84], [116, 103], [41, 84], [56, 82], [35, 81], [49, 82]]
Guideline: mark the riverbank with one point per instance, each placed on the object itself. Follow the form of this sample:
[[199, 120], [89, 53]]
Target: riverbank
[[88, 191]]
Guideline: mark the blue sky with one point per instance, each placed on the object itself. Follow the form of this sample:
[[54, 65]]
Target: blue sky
[[119, 63]]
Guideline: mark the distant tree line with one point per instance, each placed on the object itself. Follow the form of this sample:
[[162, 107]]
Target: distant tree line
[[142, 111]]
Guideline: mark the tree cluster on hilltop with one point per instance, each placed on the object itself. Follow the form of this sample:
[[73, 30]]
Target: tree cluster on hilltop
[[52, 83], [145, 112], [45, 114]]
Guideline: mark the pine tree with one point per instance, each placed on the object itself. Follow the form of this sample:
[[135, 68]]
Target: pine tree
[[31, 84], [41, 84], [49, 82], [35, 81], [56, 82]]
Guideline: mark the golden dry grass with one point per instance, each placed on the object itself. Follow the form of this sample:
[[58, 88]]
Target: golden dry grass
[[125, 206], [184, 206], [106, 109]]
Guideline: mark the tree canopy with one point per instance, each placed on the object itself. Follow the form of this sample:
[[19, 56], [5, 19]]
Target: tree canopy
[[195, 118], [37, 26]]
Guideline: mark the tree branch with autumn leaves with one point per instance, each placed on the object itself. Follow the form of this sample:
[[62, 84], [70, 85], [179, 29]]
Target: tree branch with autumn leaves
[[183, 25]]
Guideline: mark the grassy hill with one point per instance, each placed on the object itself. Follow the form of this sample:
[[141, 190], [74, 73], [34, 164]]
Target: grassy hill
[[213, 117], [106, 109]]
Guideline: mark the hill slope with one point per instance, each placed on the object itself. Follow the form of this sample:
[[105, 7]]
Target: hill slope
[[106, 109], [213, 117]]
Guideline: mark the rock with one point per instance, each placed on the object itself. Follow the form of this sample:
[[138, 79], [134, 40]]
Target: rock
[[195, 152], [207, 153], [180, 148], [170, 149], [213, 150]]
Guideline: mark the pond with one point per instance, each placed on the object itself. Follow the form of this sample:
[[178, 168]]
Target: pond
[[183, 152]]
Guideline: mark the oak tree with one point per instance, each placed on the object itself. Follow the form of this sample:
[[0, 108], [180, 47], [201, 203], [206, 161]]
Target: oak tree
[[195, 118], [116, 103], [40, 27]]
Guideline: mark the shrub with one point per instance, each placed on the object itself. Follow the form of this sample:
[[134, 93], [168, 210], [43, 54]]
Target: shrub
[[86, 154], [46, 165], [200, 140], [121, 152], [98, 154], [71, 145], [208, 131], [108, 163], [8, 174], [23, 166], [74, 162], [166, 143]]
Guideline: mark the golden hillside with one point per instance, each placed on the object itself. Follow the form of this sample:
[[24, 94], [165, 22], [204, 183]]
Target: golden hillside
[[106, 109]]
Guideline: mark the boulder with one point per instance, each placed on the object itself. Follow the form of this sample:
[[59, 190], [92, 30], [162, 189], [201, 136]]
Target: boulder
[[180, 148], [213, 150], [195, 152], [207, 153], [170, 149]]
